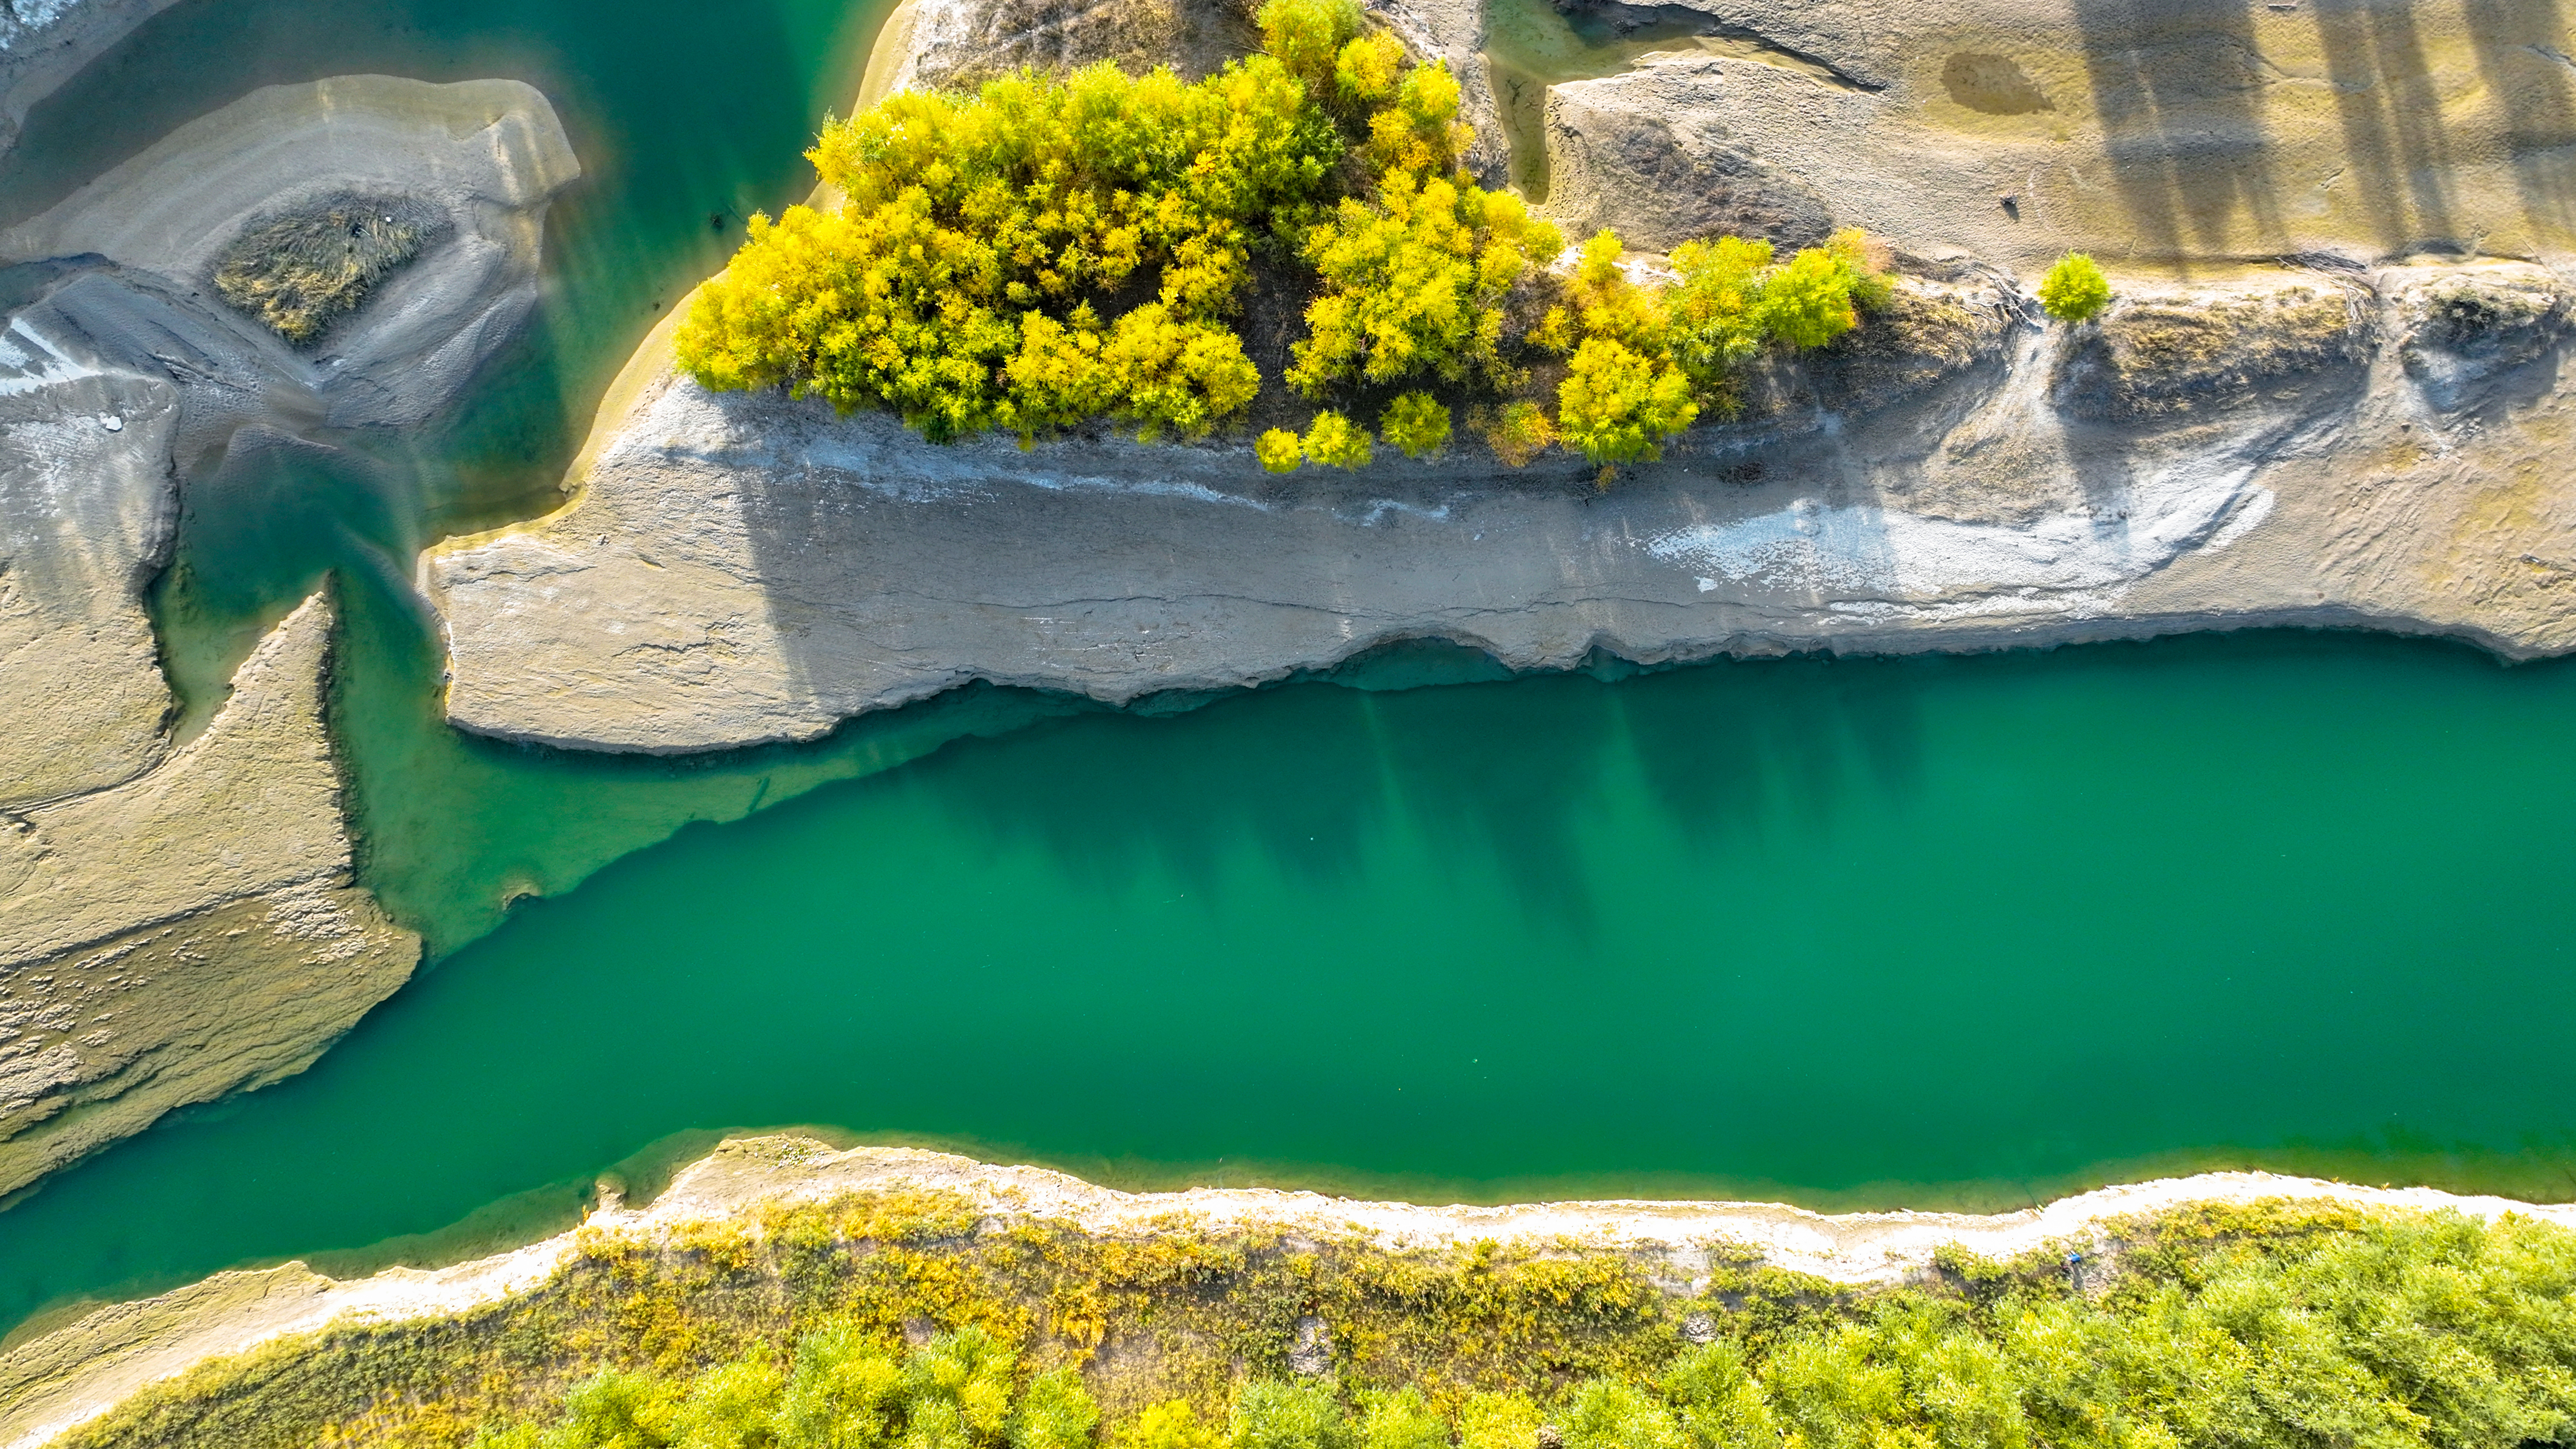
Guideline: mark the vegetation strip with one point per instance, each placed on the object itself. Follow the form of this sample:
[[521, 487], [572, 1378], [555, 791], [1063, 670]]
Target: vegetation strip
[[1049, 252], [930, 1316]]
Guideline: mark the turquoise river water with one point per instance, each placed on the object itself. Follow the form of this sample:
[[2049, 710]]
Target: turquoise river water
[[1933, 932]]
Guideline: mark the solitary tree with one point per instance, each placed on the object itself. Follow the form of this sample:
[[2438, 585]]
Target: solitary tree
[[2075, 289]]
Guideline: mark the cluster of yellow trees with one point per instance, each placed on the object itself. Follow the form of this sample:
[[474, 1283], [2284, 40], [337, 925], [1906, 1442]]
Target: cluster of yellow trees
[[1048, 252]]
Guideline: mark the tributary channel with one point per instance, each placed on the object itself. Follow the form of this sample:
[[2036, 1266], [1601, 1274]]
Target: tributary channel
[[1924, 932]]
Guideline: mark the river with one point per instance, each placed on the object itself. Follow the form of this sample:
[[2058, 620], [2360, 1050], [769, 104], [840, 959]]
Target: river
[[1925, 932]]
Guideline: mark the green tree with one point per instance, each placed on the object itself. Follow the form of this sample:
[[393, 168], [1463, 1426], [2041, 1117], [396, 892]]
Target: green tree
[[959, 284], [1415, 423], [1279, 451], [1712, 309], [1272, 1414], [1808, 302], [1414, 284], [2075, 289], [1337, 442], [1617, 403]]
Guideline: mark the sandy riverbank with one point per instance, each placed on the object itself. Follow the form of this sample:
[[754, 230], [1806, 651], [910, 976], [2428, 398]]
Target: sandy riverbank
[[78, 1371]]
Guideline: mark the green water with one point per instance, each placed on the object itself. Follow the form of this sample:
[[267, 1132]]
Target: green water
[[1932, 932], [1938, 931]]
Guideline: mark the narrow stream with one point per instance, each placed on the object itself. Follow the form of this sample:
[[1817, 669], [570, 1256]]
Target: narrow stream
[[1931, 932]]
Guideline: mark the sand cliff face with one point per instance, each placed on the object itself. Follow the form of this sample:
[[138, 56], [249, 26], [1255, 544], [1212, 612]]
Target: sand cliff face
[[2358, 431]]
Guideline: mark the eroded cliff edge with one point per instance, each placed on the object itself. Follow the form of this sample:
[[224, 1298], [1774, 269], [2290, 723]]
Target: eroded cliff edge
[[2282, 447], [2306, 410]]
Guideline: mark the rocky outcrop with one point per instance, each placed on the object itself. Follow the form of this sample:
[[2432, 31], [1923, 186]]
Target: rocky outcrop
[[2464, 328], [2172, 353], [190, 933], [87, 504], [51, 1383], [747, 568], [1644, 156]]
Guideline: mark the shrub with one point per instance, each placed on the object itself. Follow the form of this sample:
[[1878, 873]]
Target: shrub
[[1366, 73], [1337, 442], [1608, 1414], [613, 1409], [1517, 432], [1415, 423], [1271, 1414], [1414, 284], [1716, 1399], [1400, 1419], [1279, 451], [1616, 402], [1055, 1412], [1421, 131], [1497, 1421], [1307, 37], [1173, 1425], [730, 1406], [2075, 289], [2249, 1326], [957, 285], [841, 1390]]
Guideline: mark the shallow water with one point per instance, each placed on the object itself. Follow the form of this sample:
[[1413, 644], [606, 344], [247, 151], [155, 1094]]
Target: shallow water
[[1933, 931]]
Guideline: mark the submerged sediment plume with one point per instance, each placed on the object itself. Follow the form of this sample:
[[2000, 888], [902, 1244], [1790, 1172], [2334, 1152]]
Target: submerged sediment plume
[[772, 1281]]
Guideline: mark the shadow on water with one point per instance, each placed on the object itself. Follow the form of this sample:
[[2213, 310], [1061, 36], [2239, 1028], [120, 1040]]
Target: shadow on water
[[1506, 778], [1812, 728], [2178, 86]]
